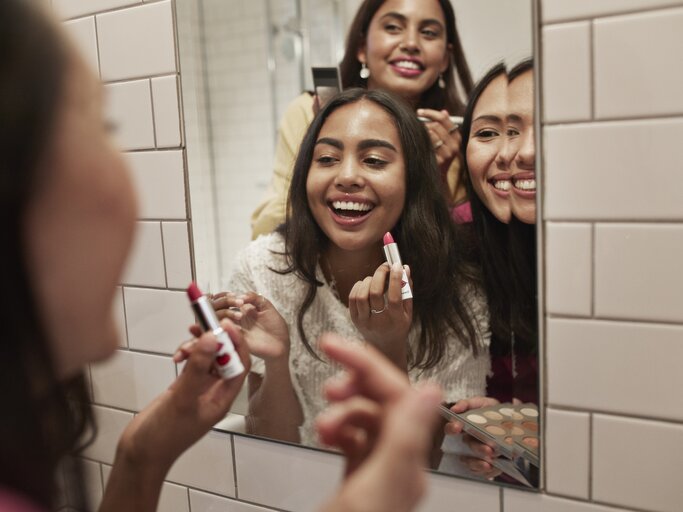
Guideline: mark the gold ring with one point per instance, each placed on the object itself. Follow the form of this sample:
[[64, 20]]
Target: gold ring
[[438, 144], [378, 311]]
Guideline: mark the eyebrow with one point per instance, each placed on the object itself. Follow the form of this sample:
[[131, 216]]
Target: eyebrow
[[488, 117], [364, 144], [398, 15], [515, 117]]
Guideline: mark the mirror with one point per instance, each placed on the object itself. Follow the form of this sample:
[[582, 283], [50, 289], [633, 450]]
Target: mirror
[[242, 66]]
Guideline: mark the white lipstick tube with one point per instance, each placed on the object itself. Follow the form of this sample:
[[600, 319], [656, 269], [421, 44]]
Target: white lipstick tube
[[392, 255], [228, 361]]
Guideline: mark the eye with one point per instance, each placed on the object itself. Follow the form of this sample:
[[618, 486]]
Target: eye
[[512, 132], [325, 160], [486, 133], [375, 162], [430, 33], [392, 28]]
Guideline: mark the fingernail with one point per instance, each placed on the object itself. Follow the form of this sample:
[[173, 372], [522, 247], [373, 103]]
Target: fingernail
[[420, 111]]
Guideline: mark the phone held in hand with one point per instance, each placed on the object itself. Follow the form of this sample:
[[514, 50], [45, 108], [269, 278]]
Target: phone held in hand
[[326, 83]]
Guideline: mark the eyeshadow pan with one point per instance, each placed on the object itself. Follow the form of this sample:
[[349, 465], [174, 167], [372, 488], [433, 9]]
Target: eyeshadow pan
[[530, 425], [528, 411], [475, 418], [493, 415], [516, 431], [506, 411], [495, 430], [531, 441], [517, 416]]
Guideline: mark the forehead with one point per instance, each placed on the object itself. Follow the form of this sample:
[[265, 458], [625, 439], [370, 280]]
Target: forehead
[[494, 98], [521, 93], [358, 121], [414, 9]]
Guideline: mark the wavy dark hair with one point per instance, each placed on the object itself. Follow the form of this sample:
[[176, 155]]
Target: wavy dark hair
[[43, 417], [491, 234], [434, 97], [429, 241]]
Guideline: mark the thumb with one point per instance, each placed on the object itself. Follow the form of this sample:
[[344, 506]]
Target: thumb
[[199, 364]]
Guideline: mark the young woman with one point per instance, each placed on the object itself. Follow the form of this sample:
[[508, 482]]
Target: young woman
[[410, 48], [365, 168], [68, 211]]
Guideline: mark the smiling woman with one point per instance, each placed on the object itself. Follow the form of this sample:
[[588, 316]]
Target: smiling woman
[[365, 168]]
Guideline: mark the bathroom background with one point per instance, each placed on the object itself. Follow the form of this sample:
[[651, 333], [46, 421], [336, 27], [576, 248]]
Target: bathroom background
[[613, 232]]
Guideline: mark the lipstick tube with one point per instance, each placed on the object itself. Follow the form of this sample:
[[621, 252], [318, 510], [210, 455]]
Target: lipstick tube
[[393, 256], [227, 360]]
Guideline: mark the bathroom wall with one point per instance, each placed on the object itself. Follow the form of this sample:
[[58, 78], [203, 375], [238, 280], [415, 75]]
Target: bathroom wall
[[613, 234]]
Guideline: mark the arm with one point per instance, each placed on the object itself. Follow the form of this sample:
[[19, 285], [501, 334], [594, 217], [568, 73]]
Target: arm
[[272, 211], [192, 404]]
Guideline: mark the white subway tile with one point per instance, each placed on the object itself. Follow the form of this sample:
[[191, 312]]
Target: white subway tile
[[120, 317], [157, 319], [443, 489], [160, 183], [166, 111], [110, 425], [173, 498], [635, 64], [624, 368], [74, 8], [519, 501], [137, 42], [177, 253], [567, 72], [558, 10], [130, 380], [567, 445], [202, 502], [599, 171], [569, 255], [638, 271], [145, 266], [277, 482], [83, 34], [637, 463], [129, 109], [92, 477], [207, 465]]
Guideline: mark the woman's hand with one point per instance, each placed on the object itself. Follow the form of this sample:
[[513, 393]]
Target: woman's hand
[[445, 136], [194, 402], [384, 323], [382, 425]]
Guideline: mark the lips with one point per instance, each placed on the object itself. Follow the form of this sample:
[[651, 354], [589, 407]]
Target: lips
[[501, 184], [348, 212], [407, 67], [524, 184]]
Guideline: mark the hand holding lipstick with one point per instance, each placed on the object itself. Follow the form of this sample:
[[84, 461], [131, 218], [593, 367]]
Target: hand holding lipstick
[[384, 320]]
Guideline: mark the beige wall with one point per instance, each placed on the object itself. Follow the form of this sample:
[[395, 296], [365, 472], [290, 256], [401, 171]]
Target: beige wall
[[612, 125]]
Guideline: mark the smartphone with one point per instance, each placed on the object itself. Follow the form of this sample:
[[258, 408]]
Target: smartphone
[[326, 83]]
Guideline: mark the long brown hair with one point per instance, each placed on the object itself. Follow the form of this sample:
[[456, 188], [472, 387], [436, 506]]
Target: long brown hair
[[42, 417], [429, 240], [434, 97]]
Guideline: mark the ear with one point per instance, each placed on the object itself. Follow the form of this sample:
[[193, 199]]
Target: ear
[[447, 57], [361, 53]]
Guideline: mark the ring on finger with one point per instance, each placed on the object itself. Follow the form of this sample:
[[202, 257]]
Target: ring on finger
[[438, 144], [377, 311], [453, 128]]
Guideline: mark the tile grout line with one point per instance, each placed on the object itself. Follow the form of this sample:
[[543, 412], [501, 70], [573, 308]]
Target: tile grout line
[[593, 258], [163, 251], [590, 456], [591, 57], [154, 120]]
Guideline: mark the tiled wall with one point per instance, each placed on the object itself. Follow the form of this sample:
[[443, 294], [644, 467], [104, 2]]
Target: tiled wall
[[613, 217]]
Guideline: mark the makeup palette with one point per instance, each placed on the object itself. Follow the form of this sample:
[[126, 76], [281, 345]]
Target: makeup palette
[[512, 430]]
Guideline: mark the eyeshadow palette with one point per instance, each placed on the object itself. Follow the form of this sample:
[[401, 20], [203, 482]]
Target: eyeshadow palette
[[512, 430]]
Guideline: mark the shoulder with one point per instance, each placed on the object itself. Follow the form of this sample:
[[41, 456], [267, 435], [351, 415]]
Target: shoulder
[[299, 112], [267, 249]]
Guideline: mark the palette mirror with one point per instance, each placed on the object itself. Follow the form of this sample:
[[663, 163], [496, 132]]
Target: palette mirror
[[243, 63]]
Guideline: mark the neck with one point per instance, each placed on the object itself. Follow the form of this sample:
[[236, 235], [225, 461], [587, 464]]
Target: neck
[[345, 268], [412, 101]]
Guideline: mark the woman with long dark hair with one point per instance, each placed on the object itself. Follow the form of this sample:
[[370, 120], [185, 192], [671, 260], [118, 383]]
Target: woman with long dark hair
[[365, 168], [410, 48]]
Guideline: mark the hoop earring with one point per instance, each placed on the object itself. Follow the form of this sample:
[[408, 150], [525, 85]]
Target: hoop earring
[[364, 71], [441, 82]]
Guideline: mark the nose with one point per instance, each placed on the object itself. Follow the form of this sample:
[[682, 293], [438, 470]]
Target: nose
[[349, 176], [526, 155], [409, 43], [506, 154]]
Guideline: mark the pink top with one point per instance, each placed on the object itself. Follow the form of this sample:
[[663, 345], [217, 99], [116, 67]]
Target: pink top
[[462, 214], [10, 501]]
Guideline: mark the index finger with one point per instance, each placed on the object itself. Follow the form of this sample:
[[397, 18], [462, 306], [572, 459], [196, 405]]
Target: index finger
[[372, 374]]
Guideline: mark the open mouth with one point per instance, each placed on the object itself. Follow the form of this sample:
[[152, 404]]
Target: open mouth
[[407, 67], [528, 185], [351, 210], [500, 183]]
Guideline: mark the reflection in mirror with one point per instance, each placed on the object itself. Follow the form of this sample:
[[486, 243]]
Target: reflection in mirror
[[367, 166]]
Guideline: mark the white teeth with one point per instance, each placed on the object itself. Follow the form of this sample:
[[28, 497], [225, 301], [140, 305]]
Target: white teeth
[[408, 64], [347, 205], [526, 184], [502, 185]]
